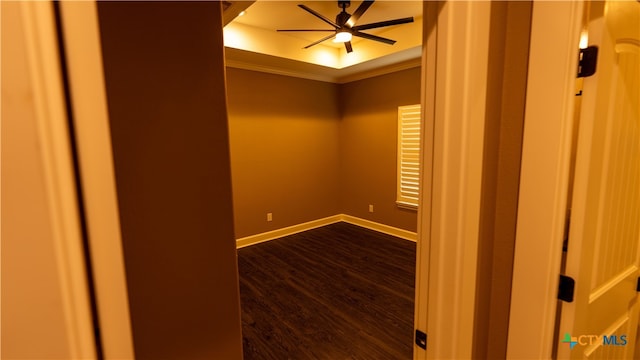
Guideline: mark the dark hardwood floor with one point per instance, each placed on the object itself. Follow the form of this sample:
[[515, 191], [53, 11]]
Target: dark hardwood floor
[[335, 292]]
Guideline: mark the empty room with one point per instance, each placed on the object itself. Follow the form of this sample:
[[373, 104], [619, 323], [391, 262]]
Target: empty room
[[326, 239], [238, 180]]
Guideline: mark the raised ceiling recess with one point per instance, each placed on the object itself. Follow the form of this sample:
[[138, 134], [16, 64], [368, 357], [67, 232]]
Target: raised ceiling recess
[[253, 40]]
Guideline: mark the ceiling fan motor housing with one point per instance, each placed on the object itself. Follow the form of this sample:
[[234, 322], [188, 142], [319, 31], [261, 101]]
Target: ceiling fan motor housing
[[341, 19]]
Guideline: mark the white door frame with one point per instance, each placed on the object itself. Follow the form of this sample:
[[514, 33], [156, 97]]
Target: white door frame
[[66, 299], [84, 57], [450, 210], [455, 59], [88, 97], [544, 178]]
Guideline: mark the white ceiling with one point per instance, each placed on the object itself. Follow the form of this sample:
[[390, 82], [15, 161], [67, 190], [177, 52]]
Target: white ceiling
[[252, 41]]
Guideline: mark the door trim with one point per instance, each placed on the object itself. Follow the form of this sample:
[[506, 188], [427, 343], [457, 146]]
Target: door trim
[[93, 138], [456, 36], [544, 180], [67, 300]]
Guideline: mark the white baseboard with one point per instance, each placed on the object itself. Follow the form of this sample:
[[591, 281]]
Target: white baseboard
[[386, 229], [290, 230]]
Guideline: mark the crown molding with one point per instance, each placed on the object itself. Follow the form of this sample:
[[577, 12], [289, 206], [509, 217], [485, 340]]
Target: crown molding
[[388, 69], [247, 60]]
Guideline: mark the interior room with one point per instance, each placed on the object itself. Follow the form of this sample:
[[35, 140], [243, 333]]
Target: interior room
[[163, 173], [305, 150], [317, 134], [314, 152]]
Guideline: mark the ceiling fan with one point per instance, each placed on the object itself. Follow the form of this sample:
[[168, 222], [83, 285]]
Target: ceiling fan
[[345, 25]]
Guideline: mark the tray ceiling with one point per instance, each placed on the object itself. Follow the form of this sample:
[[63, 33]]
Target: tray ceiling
[[252, 41]]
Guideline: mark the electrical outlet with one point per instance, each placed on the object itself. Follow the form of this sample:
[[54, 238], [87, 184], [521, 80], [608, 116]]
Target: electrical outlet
[[269, 216], [370, 208]]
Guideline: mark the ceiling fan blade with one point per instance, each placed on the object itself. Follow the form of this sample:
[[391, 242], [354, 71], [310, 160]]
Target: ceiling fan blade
[[285, 30], [373, 37], [384, 23], [359, 11], [347, 46], [319, 41], [318, 15]]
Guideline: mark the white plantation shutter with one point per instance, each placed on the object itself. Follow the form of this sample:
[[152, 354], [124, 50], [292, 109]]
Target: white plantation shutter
[[408, 155]]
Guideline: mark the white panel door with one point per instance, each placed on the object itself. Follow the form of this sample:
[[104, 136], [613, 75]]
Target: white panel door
[[603, 250]]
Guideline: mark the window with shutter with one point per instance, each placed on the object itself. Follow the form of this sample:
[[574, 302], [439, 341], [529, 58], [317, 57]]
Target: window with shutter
[[408, 156]]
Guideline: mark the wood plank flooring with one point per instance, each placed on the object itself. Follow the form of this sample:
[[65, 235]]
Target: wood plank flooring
[[335, 292]]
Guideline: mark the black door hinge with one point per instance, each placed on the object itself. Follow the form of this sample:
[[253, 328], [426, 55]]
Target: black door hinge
[[638, 285], [566, 288], [421, 339], [587, 61]]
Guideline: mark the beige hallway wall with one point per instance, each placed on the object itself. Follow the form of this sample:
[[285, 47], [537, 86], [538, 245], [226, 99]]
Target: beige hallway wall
[[164, 74]]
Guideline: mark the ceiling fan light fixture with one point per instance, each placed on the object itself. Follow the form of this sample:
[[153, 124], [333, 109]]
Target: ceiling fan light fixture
[[342, 36], [344, 25]]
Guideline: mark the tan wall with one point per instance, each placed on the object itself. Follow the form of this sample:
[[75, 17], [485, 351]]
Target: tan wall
[[368, 135], [302, 152], [284, 150], [164, 73], [33, 316]]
